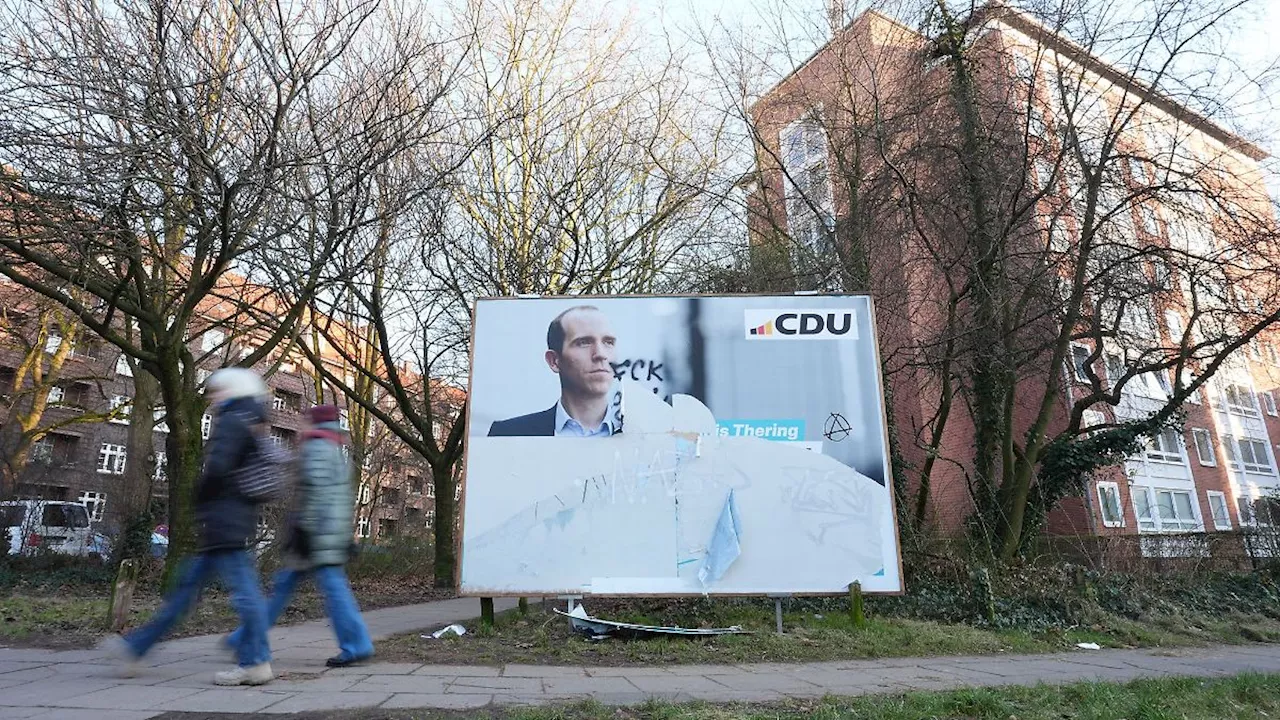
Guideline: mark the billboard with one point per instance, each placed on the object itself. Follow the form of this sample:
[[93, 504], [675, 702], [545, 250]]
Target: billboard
[[676, 446]]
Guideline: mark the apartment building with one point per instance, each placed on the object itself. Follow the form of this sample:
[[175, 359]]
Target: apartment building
[[878, 87], [83, 458]]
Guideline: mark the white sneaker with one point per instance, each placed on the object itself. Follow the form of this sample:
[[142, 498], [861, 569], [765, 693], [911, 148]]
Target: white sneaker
[[119, 650], [259, 674]]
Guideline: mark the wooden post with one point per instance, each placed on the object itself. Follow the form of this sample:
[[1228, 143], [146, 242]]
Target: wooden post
[[524, 606], [122, 595], [486, 611], [856, 612]]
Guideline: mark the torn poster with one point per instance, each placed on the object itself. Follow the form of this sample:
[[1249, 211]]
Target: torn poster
[[724, 547]]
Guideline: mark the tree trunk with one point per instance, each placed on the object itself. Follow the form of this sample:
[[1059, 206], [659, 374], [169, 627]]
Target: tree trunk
[[445, 530], [184, 449], [134, 493]]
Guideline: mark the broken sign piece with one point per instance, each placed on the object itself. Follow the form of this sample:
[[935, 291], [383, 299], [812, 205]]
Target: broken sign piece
[[454, 629], [597, 628]]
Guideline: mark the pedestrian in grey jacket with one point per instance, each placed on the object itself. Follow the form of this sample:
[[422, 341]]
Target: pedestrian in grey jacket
[[319, 536]]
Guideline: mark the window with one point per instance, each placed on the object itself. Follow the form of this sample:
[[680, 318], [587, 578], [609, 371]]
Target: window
[[111, 459], [95, 503], [52, 342], [123, 367], [1268, 402], [1244, 509], [344, 420], [87, 350], [362, 527], [118, 402], [431, 517], [1218, 509], [386, 528], [161, 471], [1142, 509], [1138, 171], [1109, 504], [1166, 447], [56, 395], [158, 420], [201, 376], [1239, 400], [285, 401], [282, 437], [431, 489], [206, 424], [212, 339], [1273, 355], [1204, 447], [366, 495], [1150, 224], [415, 485], [42, 450], [1247, 455], [810, 214], [1177, 510], [1266, 510], [1080, 362], [1116, 368], [389, 496]]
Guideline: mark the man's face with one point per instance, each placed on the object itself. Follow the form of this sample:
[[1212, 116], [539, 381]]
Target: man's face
[[589, 347]]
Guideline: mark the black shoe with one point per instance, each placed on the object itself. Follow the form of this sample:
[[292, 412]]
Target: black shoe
[[338, 661]]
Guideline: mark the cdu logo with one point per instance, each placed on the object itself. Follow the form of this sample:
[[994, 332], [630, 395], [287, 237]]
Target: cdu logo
[[801, 325]]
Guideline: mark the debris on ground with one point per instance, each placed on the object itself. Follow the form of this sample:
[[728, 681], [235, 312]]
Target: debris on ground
[[454, 629], [1089, 646], [597, 629]]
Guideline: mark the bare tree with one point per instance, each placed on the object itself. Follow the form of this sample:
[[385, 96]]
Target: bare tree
[[1038, 200], [153, 149]]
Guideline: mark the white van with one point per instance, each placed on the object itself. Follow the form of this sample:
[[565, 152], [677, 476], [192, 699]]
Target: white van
[[45, 525]]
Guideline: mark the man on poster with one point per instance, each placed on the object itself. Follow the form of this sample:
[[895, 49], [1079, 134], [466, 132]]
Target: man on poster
[[581, 347]]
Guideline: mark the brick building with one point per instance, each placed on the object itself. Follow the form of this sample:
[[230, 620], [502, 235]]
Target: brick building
[[84, 456], [861, 93]]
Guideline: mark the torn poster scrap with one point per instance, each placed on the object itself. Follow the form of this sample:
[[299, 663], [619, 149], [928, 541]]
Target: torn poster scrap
[[583, 623]]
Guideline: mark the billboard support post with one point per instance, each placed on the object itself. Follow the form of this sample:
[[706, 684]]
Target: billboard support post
[[777, 610], [486, 611]]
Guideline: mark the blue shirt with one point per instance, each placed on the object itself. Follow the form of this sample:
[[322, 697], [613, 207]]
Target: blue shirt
[[568, 427]]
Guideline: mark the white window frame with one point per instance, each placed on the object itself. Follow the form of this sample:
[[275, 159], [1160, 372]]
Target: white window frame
[[42, 450], [804, 225], [366, 494], [161, 471], [1219, 497], [95, 503], [52, 342], [362, 527], [112, 459], [1205, 453], [159, 420], [1235, 457], [123, 367], [1168, 446], [206, 425], [1268, 402], [1153, 520], [57, 395], [212, 339], [1076, 369], [118, 401], [1236, 405], [1103, 489]]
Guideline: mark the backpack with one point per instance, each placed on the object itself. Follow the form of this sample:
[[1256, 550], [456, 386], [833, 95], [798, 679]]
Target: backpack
[[263, 476]]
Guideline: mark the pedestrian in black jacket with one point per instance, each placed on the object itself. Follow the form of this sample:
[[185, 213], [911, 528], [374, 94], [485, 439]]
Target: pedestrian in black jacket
[[226, 523]]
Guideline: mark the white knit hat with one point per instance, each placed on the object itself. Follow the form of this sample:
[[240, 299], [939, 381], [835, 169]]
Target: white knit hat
[[234, 382]]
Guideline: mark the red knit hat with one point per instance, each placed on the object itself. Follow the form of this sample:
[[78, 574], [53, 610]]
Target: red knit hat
[[323, 414]]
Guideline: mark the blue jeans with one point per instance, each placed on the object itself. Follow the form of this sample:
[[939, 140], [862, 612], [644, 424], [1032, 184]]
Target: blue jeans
[[339, 603], [240, 575]]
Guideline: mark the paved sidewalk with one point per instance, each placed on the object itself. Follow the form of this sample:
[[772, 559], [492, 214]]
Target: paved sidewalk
[[49, 685]]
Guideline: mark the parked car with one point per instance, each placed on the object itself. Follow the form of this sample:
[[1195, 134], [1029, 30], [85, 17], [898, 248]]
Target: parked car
[[46, 525]]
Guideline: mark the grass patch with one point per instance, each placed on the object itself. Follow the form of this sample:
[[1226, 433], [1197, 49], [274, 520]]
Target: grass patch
[[545, 639]]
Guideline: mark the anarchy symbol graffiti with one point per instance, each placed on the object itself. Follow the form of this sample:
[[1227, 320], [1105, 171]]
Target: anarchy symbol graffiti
[[836, 428]]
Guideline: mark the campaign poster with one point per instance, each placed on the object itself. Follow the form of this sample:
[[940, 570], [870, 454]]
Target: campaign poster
[[711, 445]]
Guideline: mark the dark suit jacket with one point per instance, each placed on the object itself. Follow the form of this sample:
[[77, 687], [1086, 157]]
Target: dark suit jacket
[[539, 424]]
